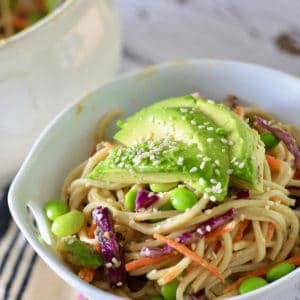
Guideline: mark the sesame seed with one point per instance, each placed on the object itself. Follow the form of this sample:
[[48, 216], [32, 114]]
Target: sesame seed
[[212, 198], [210, 128], [229, 171], [241, 165], [201, 181], [208, 228], [217, 171], [224, 141], [206, 123], [212, 180], [184, 110], [205, 196], [119, 283], [202, 166], [217, 162], [193, 169], [200, 126], [193, 122], [199, 155], [200, 231], [180, 161], [209, 140], [108, 265], [206, 159], [230, 143], [207, 190], [210, 101]]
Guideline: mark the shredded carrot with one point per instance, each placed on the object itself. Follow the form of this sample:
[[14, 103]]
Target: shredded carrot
[[239, 110], [145, 261], [273, 163], [172, 274], [86, 274], [192, 255], [270, 232], [91, 232], [97, 247], [20, 23], [259, 272], [295, 260], [240, 232], [219, 231]]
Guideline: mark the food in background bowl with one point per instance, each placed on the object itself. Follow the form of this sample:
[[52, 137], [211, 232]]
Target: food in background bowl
[[16, 15], [192, 199]]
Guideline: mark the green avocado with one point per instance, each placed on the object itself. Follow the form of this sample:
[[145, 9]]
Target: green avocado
[[189, 127], [245, 146]]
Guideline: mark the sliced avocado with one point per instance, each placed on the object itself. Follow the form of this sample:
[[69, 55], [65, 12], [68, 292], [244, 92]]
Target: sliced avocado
[[187, 126], [246, 149]]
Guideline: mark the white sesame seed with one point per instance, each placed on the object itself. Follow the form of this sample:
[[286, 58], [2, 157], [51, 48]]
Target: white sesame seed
[[193, 122], [223, 150], [224, 141], [184, 110], [229, 171], [210, 128], [207, 190], [119, 283], [209, 140], [193, 169], [213, 180], [200, 231], [217, 171], [217, 162], [180, 161], [199, 155], [202, 166], [230, 143], [208, 228], [241, 165], [108, 265], [233, 160], [206, 159], [212, 198], [201, 181], [205, 196], [210, 101], [206, 123], [200, 126]]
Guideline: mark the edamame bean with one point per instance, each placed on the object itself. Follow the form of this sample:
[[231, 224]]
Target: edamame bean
[[269, 139], [251, 284], [162, 187], [130, 199], [279, 271], [182, 198], [55, 208], [67, 224], [169, 290]]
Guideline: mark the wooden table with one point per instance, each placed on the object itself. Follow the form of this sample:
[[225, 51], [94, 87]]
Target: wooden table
[[257, 31]]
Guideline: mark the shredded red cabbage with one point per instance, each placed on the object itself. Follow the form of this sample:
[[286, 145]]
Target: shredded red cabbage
[[216, 222], [243, 194], [110, 248], [145, 199], [285, 137]]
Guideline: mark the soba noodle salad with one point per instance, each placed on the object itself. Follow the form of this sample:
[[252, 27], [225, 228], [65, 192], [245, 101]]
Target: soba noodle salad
[[16, 15], [193, 199]]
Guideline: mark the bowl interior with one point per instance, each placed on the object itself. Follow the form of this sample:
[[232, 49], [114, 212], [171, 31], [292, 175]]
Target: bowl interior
[[70, 137]]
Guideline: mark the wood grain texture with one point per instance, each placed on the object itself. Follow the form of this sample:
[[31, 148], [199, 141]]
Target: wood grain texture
[[160, 30]]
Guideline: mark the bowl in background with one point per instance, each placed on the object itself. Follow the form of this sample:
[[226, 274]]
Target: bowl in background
[[69, 138], [63, 57]]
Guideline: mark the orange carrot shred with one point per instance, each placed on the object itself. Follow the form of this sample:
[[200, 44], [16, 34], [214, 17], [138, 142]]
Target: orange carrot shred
[[241, 229], [239, 110], [86, 274], [219, 231], [192, 255], [91, 232], [273, 162], [97, 247], [145, 261], [20, 23], [259, 272], [270, 232]]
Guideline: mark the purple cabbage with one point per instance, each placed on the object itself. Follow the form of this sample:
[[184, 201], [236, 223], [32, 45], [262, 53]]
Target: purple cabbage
[[145, 199], [111, 249], [186, 238], [216, 222], [285, 137], [243, 194], [155, 251]]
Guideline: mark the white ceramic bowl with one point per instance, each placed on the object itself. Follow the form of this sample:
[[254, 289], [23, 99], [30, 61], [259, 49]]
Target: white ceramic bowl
[[69, 138], [45, 67]]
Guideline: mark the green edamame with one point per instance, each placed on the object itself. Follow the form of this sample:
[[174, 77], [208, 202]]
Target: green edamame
[[182, 199], [79, 254], [279, 271], [67, 224], [162, 187], [269, 139], [169, 290], [252, 284], [130, 199], [55, 208]]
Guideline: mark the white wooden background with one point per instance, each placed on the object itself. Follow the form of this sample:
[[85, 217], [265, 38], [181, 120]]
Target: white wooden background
[[161, 30]]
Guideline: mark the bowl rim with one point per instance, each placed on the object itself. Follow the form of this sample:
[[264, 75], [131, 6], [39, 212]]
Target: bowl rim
[[52, 16], [54, 263]]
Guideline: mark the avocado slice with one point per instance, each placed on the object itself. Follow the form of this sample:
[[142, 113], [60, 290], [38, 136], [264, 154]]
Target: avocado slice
[[189, 127], [246, 150]]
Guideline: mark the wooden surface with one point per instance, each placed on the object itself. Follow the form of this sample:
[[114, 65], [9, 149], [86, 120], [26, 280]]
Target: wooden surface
[[160, 30]]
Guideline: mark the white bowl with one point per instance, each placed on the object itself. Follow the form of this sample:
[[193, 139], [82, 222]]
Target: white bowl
[[45, 67], [69, 138]]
